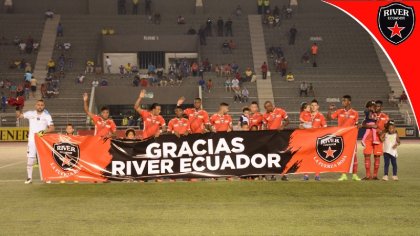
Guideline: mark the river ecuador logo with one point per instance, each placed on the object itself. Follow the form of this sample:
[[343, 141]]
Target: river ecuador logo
[[66, 155], [329, 147], [396, 22]]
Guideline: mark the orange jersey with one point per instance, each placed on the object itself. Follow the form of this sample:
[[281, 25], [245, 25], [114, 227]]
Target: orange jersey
[[221, 123], [346, 118], [103, 127], [274, 120], [256, 119], [198, 120], [382, 120], [179, 125], [151, 123], [318, 120], [305, 116]]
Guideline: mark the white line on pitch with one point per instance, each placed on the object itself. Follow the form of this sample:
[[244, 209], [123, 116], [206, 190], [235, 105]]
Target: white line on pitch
[[10, 180], [12, 164]]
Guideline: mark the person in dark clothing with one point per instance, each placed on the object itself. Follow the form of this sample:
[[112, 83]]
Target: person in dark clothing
[[220, 25], [121, 7], [135, 6], [292, 36], [148, 7], [202, 36], [228, 25], [209, 23]]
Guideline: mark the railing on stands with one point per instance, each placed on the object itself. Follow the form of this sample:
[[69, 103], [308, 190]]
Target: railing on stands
[[60, 120], [91, 103]]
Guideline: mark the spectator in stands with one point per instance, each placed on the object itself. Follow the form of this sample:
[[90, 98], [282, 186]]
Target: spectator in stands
[[314, 52], [292, 35], [43, 90], [104, 82], [226, 48], [238, 11], [20, 92], [403, 97], [121, 7], [136, 81], [108, 64], [260, 7], [283, 66], [148, 7], [264, 70], [179, 79], [194, 69], [33, 86], [290, 77], [180, 20], [232, 45], [235, 83], [209, 23], [89, 66], [67, 46], [80, 79], [35, 46], [245, 94], [220, 25], [3, 102], [8, 6], [218, 70], [51, 66], [209, 85], [151, 69], [266, 6], [128, 68], [60, 30], [28, 76], [22, 47], [202, 36], [28, 67], [156, 18], [159, 72], [235, 67], [248, 74], [50, 90], [135, 4], [144, 82], [49, 14], [228, 26], [237, 95], [228, 84], [95, 83], [392, 99], [27, 88], [305, 57], [303, 89], [164, 81], [289, 12], [202, 84], [227, 70]]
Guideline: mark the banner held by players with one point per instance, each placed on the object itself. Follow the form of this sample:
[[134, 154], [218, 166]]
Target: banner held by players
[[90, 159]]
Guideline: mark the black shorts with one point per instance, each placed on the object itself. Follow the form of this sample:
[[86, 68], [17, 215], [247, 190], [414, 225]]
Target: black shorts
[[33, 88]]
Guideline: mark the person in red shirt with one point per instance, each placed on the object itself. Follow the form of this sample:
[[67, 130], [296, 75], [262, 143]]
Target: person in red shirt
[[221, 121], [374, 148], [305, 117], [199, 118], [179, 125], [104, 126], [264, 70], [346, 117], [255, 117], [275, 119], [153, 122]]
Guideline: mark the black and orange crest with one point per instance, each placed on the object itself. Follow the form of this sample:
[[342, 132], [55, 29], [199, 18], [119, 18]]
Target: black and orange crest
[[329, 147], [396, 22], [66, 155]]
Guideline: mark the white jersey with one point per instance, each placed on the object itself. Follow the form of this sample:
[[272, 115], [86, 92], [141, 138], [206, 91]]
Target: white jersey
[[390, 141], [37, 122]]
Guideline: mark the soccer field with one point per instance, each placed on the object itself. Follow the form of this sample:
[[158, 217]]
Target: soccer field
[[328, 207]]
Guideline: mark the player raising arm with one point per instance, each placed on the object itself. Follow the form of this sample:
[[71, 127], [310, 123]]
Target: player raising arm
[[40, 122], [104, 126], [153, 122], [198, 117]]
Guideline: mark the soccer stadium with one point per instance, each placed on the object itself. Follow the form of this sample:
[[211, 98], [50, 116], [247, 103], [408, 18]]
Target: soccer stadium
[[202, 117]]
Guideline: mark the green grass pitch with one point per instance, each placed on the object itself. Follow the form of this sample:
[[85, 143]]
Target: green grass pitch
[[328, 207]]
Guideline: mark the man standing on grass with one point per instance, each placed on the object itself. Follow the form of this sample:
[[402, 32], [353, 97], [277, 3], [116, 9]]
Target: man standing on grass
[[179, 125], [255, 117], [199, 118], [346, 117], [275, 119], [370, 147], [153, 122], [104, 126], [40, 122], [221, 121]]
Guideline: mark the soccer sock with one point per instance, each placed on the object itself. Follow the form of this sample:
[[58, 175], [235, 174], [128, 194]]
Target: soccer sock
[[367, 166], [355, 164], [29, 166], [376, 168]]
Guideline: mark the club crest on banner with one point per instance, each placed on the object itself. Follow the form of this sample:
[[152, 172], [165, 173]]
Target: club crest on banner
[[396, 22], [329, 147], [66, 155]]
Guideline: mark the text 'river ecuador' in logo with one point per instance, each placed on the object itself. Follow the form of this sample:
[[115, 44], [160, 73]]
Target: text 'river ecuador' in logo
[[66, 155], [396, 22], [329, 147]]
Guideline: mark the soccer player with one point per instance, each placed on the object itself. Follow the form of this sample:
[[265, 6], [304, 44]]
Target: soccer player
[[371, 145], [179, 125], [199, 118], [153, 122], [275, 119], [40, 122], [255, 117], [69, 129], [104, 126], [221, 121], [346, 117], [317, 121]]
